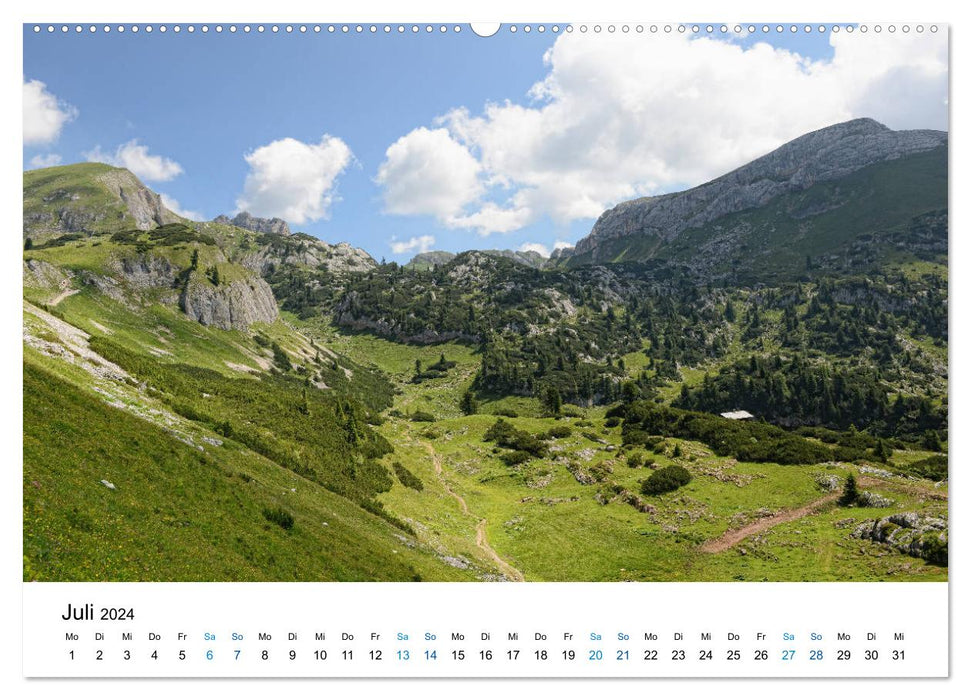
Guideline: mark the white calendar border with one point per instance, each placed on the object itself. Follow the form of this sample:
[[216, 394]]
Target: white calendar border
[[422, 10]]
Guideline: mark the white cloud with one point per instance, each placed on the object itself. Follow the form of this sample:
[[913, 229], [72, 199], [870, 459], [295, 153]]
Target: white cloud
[[136, 158], [44, 114], [559, 245], [45, 160], [172, 204], [536, 248], [623, 116], [427, 172], [422, 244], [293, 180]]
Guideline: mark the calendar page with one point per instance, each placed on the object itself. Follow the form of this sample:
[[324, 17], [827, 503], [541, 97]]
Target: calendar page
[[424, 349]]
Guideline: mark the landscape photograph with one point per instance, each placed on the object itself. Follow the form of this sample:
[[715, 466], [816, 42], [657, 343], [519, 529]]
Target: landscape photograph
[[406, 303]]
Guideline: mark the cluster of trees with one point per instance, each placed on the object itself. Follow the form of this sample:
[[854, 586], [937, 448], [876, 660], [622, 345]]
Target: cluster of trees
[[434, 371], [847, 316], [745, 440], [797, 392], [505, 434], [167, 235], [568, 330], [541, 365]]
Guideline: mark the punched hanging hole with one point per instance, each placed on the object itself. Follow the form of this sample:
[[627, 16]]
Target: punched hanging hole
[[485, 29]]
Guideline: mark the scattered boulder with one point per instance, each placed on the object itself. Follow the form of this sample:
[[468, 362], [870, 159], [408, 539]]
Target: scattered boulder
[[580, 475], [827, 482], [881, 473], [874, 500]]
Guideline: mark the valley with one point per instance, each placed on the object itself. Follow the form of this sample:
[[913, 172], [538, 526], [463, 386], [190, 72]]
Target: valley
[[230, 400]]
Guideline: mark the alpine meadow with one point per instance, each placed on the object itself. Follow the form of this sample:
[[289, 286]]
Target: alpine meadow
[[742, 381]]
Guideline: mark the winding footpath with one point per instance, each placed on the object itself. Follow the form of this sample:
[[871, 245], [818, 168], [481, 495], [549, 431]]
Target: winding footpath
[[733, 537], [481, 538]]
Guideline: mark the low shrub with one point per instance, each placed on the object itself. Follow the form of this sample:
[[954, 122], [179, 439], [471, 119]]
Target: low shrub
[[507, 435], [558, 431], [279, 516], [515, 457], [935, 549], [407, 478], [665, 480]]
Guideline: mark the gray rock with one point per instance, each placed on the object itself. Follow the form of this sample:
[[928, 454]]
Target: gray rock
[[39, 273], [338, 259], [909, 533], [143, 273], [142, 204], [827, 482], [874, 500], [229, 306], [430, 260], [882, 473]]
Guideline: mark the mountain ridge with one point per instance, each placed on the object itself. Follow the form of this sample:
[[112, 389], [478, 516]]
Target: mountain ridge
[[820, 156]]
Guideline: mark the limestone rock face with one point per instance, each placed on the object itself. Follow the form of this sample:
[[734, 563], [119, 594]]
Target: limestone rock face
[[145, 272], [232, 306], [144, 206], [819, 156], [254, 223], [38, 273]]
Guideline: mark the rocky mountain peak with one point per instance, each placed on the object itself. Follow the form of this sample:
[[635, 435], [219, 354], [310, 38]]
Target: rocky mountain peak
[[819, 156], [255, 223], [89, 198]]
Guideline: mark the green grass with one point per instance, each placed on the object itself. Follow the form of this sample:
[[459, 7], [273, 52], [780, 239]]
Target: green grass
[[163, 332], [179, 513]]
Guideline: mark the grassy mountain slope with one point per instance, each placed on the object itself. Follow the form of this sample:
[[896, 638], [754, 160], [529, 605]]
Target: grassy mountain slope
[[88, 197], [178, 512]]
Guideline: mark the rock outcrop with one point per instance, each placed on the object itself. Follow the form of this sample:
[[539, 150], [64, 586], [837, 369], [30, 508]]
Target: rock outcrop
[[909, 533], [298, 251], [430, 260], [255, 223], [232, 306], [820, 156], [145, 272], [435, 258], [38, 273]]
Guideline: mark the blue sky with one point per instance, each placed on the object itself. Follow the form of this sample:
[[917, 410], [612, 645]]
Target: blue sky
[[480, 160]]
